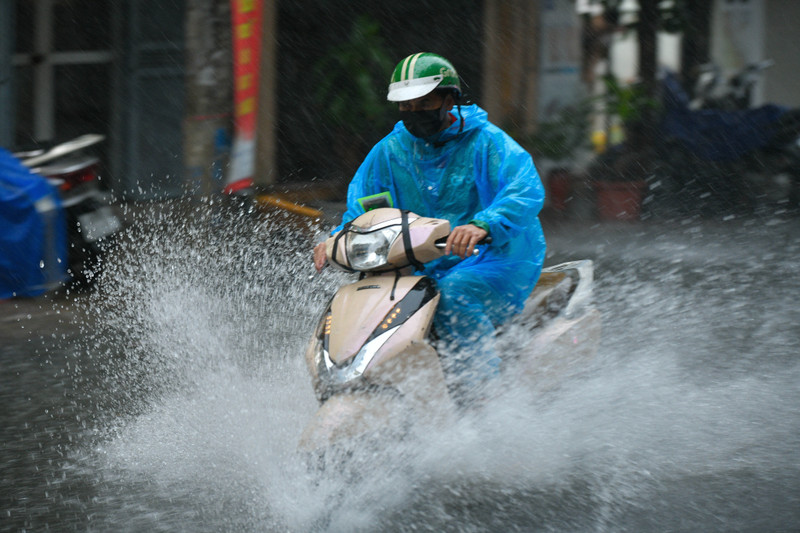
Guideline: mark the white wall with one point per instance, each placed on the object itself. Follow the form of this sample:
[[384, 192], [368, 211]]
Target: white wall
[[747, 31], [624, 54], [737, 36], [560, 57], [782, 44], [742, 32]]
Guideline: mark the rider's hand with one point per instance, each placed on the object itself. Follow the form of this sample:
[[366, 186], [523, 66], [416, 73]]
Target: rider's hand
[[463, 239], [320, 256]]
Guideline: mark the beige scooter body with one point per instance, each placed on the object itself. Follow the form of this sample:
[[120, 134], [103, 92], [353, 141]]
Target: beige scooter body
[[370, 359]]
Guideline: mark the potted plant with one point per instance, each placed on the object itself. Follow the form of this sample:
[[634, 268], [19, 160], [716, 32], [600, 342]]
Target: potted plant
[[618, 175], [557, 140], [619, 184], [347, 91]]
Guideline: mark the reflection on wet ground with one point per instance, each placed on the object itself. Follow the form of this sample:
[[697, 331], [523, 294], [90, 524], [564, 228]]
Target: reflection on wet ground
[[171, 397]]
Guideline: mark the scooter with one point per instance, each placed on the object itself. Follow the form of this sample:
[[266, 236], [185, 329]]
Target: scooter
[[727, 156], [713, 91], [91, 219], [372, 361], [772, 169]]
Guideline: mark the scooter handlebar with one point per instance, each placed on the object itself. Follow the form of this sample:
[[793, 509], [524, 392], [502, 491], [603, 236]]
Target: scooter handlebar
[[442, 243]]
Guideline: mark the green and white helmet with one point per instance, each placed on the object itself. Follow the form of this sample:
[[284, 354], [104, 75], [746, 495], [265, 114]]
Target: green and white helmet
[[419, 74]]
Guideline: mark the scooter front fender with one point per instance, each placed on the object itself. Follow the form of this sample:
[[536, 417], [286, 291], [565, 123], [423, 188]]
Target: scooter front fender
[[408, 389], [346, 417]]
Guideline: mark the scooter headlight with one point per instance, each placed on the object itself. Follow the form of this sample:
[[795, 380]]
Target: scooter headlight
[[367, 251]]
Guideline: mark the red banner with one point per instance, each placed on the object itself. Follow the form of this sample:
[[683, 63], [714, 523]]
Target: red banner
[[246, 18]]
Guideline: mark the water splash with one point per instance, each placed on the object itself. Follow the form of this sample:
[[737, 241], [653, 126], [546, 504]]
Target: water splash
[[203, 396]]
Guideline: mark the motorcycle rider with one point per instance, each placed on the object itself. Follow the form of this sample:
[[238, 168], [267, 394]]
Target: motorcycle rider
[[468, 171]]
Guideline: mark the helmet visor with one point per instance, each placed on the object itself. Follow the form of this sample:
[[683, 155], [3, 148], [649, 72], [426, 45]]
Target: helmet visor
[[405, 90]]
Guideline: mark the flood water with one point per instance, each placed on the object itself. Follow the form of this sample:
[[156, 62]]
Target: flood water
[[172, 397]]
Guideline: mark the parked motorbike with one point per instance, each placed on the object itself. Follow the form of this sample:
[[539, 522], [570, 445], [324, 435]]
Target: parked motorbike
[[91, 219], [714, 91], [371, 358], [721, 150]]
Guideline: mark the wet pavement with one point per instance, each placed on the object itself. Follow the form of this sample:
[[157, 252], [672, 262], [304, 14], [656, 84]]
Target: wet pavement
[[170, 398]]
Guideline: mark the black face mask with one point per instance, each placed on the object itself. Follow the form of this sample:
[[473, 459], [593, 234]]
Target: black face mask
[[423, 124]]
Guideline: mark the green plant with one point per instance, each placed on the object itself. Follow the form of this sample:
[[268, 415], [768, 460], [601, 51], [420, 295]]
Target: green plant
[[629, 102], [632, 159], [351, 79], [559, 138]]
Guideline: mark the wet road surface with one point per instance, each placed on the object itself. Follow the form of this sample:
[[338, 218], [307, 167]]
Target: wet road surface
[[171, 397]]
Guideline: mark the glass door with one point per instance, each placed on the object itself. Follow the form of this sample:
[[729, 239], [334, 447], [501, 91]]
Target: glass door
[[62, 69]]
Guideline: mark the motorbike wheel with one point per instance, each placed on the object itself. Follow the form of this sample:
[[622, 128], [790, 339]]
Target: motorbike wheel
[[85, 259]]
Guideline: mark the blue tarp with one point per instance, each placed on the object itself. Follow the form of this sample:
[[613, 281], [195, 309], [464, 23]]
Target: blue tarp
[[714, 134], [33, 240]]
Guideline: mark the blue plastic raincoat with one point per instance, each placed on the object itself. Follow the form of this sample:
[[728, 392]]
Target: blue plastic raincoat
[[481, 174]]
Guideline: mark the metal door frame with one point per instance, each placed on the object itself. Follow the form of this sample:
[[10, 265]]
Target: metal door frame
[[6, 52], [142, 61], [44, 60]]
